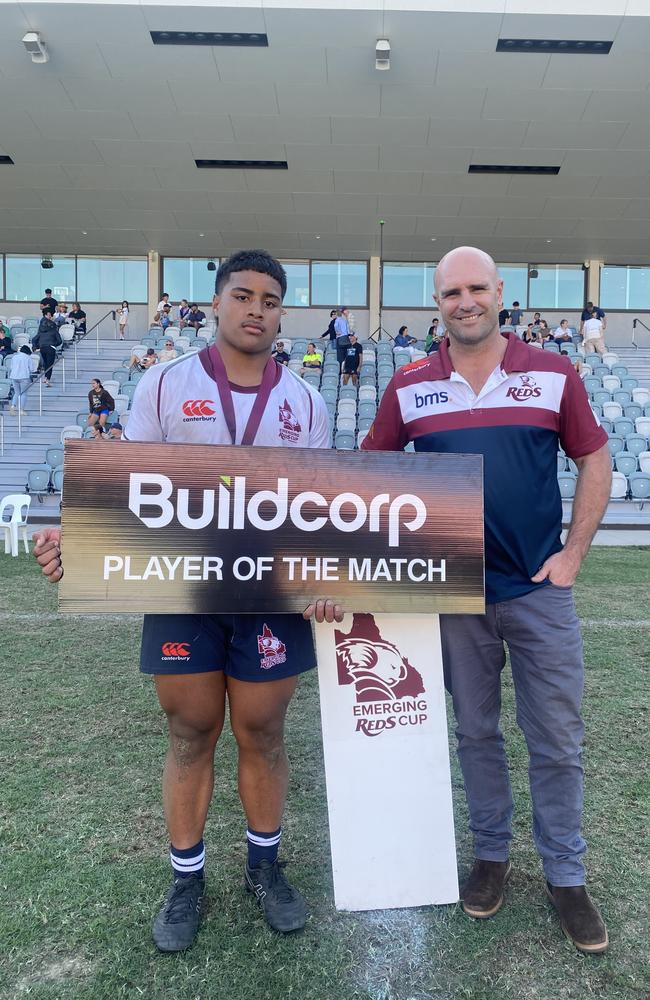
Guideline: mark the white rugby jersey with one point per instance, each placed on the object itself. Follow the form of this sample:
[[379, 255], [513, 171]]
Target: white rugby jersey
[[180, 402]]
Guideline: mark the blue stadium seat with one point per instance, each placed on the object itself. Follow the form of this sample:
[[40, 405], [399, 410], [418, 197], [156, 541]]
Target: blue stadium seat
[[54, 457], [592, 383], [567, 483], [622, 396], [640, 485], [38, 481], [616, 443], [619, 370], [629, 383], [344, 441], [624, 426], [601, 396], [625, 463], [561, 463], [633, 410], [57, 479], [635, 444]]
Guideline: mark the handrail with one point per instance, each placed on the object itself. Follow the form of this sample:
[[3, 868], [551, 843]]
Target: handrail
[[634, 323], [61, 358]]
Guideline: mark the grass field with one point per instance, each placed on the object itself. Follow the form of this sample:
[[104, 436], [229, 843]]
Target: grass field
[[83, 849]]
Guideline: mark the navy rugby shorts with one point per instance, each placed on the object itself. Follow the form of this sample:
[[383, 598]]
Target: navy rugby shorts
[[246, 647]]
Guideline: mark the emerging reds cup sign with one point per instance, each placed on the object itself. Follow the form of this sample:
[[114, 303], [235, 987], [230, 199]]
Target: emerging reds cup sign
[[176, 528]]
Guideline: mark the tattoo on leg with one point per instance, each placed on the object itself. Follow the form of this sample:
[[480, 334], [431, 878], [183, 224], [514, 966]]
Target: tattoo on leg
[[185, 754]]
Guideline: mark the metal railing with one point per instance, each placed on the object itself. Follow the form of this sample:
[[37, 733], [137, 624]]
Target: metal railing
[[59, 362], [634, 325]]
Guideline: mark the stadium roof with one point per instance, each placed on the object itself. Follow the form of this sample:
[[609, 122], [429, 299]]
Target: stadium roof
[[104, 137]]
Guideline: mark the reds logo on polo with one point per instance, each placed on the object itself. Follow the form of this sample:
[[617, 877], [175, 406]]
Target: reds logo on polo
[[272, 649], [175, 650], [387, 688], [198, 409], [527, 390], [289, 426]]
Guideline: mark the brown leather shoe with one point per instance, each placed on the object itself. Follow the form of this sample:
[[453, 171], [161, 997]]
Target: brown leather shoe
[[579, 918], [483, 892]]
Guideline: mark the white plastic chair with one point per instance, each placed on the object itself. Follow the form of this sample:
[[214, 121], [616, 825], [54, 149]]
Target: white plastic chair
[[112, 387], [139, 350], [642, 426], [15, 321], [21, 340], [367, 392], [17, 526], [641, 395], [644, 461], [611, 382], [612, 411], [610, 359], [345, 423], [619, 486], [66, 331], [71, 431]]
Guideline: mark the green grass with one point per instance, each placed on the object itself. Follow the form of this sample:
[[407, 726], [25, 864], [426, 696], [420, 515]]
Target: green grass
[[83, 848]]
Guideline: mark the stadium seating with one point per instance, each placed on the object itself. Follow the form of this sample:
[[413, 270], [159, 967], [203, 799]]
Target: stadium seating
[[619, 486], [640, 485], [625, 463], [635, 444], [644, 461]]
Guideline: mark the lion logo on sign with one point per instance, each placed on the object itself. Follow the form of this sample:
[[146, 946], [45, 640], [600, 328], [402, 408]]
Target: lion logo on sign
[[376, 667]]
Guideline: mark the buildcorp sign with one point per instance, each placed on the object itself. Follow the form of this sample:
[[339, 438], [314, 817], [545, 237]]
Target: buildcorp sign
[[191, 528]]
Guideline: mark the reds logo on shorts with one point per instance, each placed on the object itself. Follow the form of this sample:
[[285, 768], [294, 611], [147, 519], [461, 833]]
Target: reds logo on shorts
[[198, 409], [175, 650], [273, 650]]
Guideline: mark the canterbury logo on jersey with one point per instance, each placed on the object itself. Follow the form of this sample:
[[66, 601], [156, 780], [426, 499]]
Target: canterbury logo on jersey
[[198, 409], [175, 650]]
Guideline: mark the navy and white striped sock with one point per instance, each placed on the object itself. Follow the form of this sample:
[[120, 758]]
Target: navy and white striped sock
[[262, 846], [189, 861]]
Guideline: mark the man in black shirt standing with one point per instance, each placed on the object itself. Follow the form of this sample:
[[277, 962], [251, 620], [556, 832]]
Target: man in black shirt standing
[[48, 303], [352, 360]]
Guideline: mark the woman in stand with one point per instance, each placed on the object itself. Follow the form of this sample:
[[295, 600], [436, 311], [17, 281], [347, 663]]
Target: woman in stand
[[21, 378], [123, 318], [78, 317], [101, 405]]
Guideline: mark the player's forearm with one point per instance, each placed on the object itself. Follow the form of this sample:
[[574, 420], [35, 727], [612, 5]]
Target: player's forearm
[[592, 494]]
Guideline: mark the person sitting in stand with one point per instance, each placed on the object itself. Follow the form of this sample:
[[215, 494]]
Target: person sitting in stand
[[562, 333], [168, 353], [352, 360], [114, 432], [149, 359], [280, 354], [529, 336], [404, 342], [195, 317], [101, 405], [312, 360], [432, 339], [6, 344], [78, 317], [505, 318], [61, 314], [183, 312]]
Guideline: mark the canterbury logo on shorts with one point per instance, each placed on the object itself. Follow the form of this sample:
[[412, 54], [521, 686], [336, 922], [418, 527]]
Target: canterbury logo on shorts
[[198, 408], [175, 650]]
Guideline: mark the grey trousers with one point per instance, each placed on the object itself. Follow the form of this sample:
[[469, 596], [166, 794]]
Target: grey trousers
[[542, 633]]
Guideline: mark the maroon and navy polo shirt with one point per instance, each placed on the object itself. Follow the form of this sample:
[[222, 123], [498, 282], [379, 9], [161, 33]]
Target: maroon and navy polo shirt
[[531, 401]]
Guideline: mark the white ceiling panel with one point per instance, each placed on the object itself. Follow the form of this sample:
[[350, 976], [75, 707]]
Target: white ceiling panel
[[16, 63], [455, 68], [55, 150], [574, 26], [206, 149], [384, 130], [615, 163], [617, 105], [238, 98], [368, 225], [61, 21], [429, 159], [585, 208], [554, 186], [175, 17], [186, 127], [204, 222], [435, 225], [154, 154], [112, 95], [17, 124], [357, 66], [539, 228], [42, 176], [150, 62], [524, 104], [638, 208], [329, 157], [277, 63], [103, 177], [34, 93], [50, 218], [516, 207], [130, 218], [638, 229], [490, 132], [79, 198], [414, 30], [289, 181], [611, 187], [177, 201], [519, 157], [442, 102], [377, 183], [76, 125], [633, 34], [637, 136], [418, 204], [194, 179], [622, 71], [271, 222], [249, 202], [306, 27], [465, 184], [574, 135], [22, 198], [276, 128], [341, 202], [333, 99]]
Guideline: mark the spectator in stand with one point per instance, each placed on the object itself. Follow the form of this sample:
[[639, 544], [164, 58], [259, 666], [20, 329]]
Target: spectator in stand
[[330, 332], [280, 354], [591, 311], [562, 334], [123, 318], [312, 360], [352, 360], [166, 317], [342, 331], [160, 308], [537, 319], [592, 332], [48, 302], [60, 315], [6, 343], [515, 314], [529, 336], [148, 360], [114, 432], [504, 317], [78, 317], [576, 362], [433, 338], [101, 405], [183, 311], [168, 353], [403, 341], [47, 340], [21, 378], [195, 317]]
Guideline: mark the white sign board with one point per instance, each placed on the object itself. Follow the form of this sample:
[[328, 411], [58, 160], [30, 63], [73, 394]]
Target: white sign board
[[387, 762]]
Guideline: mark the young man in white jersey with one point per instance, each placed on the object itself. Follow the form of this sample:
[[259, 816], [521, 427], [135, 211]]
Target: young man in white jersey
[[230, 393]]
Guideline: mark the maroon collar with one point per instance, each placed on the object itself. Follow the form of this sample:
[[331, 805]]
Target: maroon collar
[[519, 357]]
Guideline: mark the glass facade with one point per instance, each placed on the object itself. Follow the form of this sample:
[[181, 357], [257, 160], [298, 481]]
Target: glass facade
[[26, 280], [111, 280], [408, 285], [625, 288], [339, 283], [558, 286], [189, 278], [297, 283], [515, 284]]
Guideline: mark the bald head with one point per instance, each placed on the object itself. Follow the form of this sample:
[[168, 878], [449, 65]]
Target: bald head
[[463, 257]]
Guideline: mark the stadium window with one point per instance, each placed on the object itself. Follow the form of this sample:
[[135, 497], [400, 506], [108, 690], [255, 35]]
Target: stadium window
[[189, 278], [27, 280], [339, 283], [557, 286], [297, 283], [112, 279], [515, 284], [625, 287], [409, 286]]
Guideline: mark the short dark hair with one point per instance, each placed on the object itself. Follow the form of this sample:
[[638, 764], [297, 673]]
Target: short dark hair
[[565, 352], [251, 260], [48, 291], [401, 330], [47, 312], [515, 303]]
